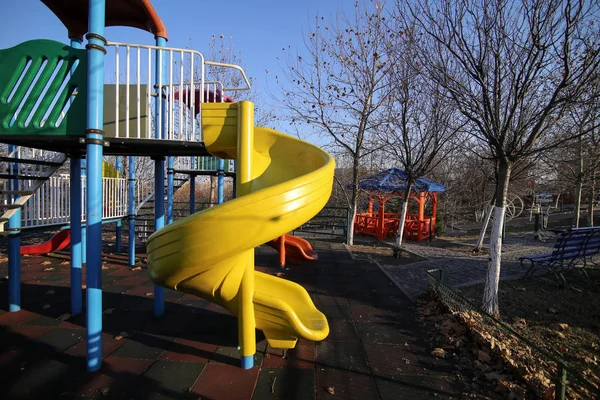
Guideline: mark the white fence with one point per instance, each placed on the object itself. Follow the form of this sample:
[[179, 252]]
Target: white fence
[[51, 204]]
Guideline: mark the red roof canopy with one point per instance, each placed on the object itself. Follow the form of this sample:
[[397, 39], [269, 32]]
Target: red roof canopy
[[133, 13]]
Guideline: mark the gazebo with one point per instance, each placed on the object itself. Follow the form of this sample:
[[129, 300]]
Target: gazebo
[[384, 185]]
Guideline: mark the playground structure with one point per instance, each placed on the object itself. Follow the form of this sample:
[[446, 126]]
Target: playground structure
[[393, 182], [57, 103]]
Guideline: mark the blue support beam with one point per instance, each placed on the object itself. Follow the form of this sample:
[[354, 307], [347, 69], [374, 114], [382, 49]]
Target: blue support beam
[[83, 227], [170, 187], [119, 225], [75, 197], [131, 209], [221, 181], [159, 167], [76, 249], [94, 143], [14, 244]]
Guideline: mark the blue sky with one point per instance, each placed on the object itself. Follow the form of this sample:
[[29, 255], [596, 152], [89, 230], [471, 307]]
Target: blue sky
[[260, 28]]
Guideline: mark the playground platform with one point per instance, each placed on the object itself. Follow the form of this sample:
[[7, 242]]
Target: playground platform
[[376, 348]]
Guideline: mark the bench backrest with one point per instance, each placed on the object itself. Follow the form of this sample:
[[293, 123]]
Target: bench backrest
[[581, 241]]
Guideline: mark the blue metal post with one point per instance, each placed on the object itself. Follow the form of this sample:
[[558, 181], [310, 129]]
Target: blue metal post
[[221, 181], [75, 197], [94, 142], [131, 210], [234, 191], [14, 246], [170, 187], [83, 226], [192, 186], [159, 172], [119, 227], [76, 264]]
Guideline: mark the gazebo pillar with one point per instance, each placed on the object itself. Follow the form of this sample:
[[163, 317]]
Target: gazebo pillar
[[381, 220]]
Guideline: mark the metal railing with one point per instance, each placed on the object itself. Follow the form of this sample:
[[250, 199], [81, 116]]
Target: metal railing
[[569, 383], [51, 203], [143, 74], [330, 222]]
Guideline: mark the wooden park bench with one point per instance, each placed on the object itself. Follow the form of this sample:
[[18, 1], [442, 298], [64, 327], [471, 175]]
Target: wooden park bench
[[574, 248]]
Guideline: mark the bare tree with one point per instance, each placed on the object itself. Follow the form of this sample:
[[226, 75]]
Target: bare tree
[[512, 68], [338, 86], [420, 126]]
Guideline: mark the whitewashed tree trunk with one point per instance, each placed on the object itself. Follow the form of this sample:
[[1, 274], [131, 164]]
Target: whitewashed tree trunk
[[486, 221], [490, 301], [351, 226], [492, 282], [592, 195], [400, 234], [578, 187]]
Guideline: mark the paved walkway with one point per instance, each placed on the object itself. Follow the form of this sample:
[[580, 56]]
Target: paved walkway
[[376, 349], [459, 268]]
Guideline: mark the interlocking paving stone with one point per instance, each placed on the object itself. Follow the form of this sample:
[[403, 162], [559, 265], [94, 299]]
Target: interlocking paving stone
[[285, 384]]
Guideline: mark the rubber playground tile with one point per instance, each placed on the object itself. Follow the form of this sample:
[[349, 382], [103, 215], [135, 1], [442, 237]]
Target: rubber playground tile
[[43, 320], [285, 384], [364, 313], [347, 385], [341, 355], [171, 379], [170, 323], [336, 311], [302, 356], [16, 318], [230, 355], [393, 360], [189, 350], [110, 343], [342, 331], [141, 291], [226, 382], [58, 339], [387, 332], [325, 300], [10, 356], [407, 388], [30, 332], [118, 289], [43, 379], [116, 376], [144, 346]]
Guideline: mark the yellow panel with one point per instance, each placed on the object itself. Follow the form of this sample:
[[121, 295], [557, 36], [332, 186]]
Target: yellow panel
[[208, 253]]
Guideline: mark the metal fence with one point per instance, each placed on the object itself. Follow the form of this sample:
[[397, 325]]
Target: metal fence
[[331, 222], [569, 383]]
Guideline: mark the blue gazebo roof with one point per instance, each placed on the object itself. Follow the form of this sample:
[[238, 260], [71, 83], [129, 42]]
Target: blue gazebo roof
[[395, 179]]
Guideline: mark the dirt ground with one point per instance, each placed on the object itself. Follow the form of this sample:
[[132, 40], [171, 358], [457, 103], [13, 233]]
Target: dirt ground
[[564, 321]]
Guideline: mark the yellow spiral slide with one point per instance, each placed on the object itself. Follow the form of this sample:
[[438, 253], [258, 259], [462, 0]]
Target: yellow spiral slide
[[282, 182]]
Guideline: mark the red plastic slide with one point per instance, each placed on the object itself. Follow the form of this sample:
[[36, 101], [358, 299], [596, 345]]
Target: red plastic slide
[[58, 242], [296, 249]]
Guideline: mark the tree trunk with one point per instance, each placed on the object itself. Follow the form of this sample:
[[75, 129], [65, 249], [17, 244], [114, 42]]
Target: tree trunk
[[490, 295], [399, 236], [486, 221], [354, 199], [591, 202], [578, 184]]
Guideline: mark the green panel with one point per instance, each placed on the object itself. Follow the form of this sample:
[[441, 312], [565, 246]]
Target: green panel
[[30, 105]]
